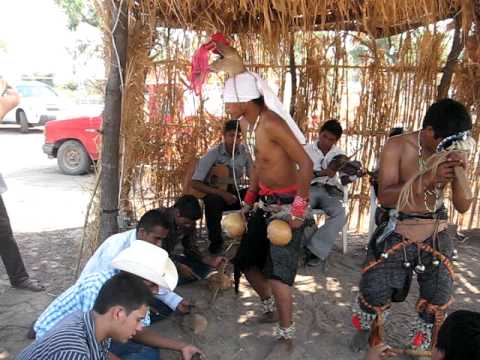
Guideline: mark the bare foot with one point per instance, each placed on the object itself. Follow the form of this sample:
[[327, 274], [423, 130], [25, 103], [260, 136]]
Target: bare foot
[[359, 341]]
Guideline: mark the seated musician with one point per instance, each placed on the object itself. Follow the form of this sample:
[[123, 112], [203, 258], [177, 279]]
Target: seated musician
[[326, 190], [221, 192]]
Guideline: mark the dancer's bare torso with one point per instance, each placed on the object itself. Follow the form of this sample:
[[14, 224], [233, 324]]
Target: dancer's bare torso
[[273, 166], [400, 160]]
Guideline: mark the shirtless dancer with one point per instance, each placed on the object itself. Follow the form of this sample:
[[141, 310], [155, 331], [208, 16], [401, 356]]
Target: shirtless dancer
[[276, 144], [415, 239]]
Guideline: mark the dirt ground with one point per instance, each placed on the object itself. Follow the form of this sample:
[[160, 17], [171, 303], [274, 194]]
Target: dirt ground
[[322, 303], [47, 210]]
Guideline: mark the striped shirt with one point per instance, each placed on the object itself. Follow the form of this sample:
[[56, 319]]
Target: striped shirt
[[73, 338], [80, 296]]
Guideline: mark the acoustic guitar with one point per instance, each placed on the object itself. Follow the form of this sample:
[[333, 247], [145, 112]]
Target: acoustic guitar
[[218, 177]]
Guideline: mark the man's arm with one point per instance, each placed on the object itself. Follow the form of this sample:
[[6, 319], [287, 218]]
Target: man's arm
[[169, 298], [281, 134], [189, 243], [390, 183], [253, 179], [460, 197], [203, 167], [389, 174], [152, 338]]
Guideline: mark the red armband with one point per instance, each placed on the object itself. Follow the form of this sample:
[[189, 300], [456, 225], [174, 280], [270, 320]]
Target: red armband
[[299, 206], [250, 197]]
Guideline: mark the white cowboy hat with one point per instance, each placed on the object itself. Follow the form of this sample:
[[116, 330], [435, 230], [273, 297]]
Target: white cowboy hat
[[149, 262]]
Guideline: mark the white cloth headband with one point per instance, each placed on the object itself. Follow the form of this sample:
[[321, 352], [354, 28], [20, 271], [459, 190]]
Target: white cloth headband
[[247, 86]]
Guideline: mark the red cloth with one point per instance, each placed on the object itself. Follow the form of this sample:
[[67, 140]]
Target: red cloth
[[250, 197], [200, 68], [265, 190], [299, 206]]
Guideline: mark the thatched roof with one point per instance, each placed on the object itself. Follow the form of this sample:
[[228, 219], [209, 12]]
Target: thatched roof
[[272, 18]]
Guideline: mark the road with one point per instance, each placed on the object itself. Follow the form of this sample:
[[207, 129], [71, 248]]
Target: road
[[39, 196]]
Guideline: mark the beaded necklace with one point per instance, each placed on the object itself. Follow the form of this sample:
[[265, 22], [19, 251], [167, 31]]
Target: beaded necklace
[[251, 138]]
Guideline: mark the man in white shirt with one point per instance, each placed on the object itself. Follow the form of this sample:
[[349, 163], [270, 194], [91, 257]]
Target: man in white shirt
[[326, 192], [153, 227], [9, 252]]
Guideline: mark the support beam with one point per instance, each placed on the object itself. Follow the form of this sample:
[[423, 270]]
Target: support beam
[[109, 181], [457, 47]]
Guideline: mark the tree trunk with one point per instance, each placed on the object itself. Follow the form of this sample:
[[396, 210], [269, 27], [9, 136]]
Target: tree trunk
[[112, 115], [457, 47]]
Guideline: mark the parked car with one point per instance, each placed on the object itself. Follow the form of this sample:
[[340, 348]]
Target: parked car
[[74, 142], [39, 103]]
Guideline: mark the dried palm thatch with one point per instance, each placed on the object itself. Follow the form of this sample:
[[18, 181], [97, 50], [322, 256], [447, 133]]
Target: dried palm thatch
[[363, 62]]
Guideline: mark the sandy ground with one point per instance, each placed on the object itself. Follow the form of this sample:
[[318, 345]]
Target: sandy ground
[[39, 197], [322, 303], [47, 212]]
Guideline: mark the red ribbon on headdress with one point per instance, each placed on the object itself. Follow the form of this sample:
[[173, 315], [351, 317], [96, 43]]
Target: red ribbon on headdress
[[200, 67]]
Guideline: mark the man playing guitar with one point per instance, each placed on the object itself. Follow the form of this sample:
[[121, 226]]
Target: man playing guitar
[[215, 176]]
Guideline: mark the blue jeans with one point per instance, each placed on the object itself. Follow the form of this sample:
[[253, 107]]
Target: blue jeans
[[321, 243], [134, 351]]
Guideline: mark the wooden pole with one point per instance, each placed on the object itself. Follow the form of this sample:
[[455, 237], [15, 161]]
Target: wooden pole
[[457, 47], [293, 74], [112, 115]]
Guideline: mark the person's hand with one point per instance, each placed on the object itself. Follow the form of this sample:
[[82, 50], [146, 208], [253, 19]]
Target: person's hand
[[185, 271], [379, 352], [329, 172], [295, 223], [190, 350], [230, 199], [184, 307], [215, 261], [461, 156], [325, 172], [245, 210], [446, 171]]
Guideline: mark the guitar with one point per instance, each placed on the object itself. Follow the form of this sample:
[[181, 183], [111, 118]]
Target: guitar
[[218, 177]]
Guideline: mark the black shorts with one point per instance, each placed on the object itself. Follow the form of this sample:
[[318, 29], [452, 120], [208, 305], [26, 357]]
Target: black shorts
[[256, 251]]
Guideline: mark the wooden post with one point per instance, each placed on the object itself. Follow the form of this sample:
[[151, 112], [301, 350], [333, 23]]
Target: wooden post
[[293, 74], [112, 115], [457, 47]]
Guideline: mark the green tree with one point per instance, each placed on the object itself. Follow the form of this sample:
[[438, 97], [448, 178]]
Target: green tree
[[79, 11]]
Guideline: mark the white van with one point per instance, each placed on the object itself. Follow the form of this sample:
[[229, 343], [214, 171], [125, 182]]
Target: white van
[[39, 103]]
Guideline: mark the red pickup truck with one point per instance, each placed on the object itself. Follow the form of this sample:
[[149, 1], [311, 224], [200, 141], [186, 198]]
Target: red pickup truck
[[74, 142]]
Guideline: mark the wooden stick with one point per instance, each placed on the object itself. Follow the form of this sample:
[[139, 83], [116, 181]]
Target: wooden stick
[[220, 271], [411, 352]]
